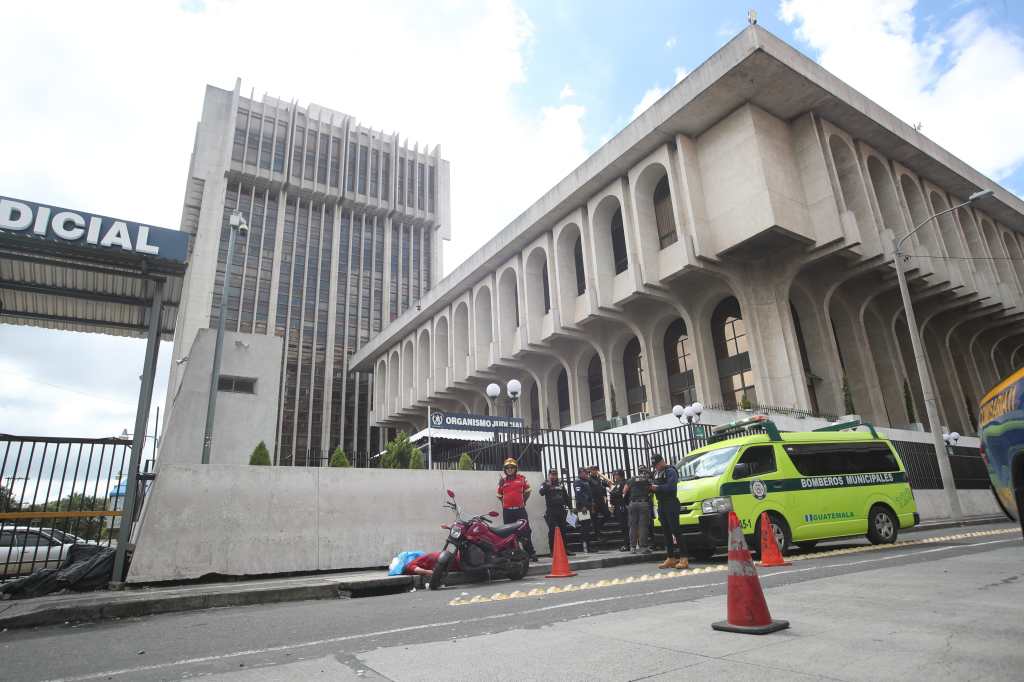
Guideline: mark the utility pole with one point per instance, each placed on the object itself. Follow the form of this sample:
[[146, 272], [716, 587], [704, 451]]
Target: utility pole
[[930, 404]]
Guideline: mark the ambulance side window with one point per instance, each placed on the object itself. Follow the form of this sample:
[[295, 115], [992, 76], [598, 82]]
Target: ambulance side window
[[760, 458]]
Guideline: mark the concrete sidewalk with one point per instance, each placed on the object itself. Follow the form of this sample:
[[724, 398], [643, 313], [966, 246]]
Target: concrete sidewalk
[[143, 601]]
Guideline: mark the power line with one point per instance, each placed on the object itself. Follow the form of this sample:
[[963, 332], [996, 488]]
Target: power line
[[914, 255]]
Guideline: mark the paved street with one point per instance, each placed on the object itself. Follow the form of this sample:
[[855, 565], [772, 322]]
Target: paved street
[[940, 609]]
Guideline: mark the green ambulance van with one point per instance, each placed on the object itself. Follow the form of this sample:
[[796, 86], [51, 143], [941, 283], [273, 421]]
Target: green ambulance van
[[816, 485]]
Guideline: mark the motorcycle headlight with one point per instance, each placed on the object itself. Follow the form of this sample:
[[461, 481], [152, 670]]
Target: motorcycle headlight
[[456, 533], [716, 504]]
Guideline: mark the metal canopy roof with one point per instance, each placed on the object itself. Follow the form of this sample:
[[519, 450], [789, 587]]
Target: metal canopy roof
[[59, 277]]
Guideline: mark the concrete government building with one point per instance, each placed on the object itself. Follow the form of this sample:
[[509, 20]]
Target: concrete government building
[[734, 240], [345, 224]]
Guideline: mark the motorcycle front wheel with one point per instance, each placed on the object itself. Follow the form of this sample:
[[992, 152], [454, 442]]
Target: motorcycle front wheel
[[440, 571]]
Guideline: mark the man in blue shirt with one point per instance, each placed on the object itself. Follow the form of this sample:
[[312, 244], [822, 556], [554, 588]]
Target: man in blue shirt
[[666, 479]]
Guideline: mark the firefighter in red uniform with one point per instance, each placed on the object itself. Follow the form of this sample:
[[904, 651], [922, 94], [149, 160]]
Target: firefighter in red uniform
[[513, 491]]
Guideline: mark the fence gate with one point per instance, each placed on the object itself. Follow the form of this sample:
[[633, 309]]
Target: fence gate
[[55, 493]]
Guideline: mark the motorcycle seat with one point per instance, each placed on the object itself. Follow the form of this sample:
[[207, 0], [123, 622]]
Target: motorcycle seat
[[506, 529]]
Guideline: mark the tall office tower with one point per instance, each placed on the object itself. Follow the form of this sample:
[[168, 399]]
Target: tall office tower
[[344, 229]]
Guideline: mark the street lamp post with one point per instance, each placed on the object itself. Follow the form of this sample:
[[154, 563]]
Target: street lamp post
[[691, 413], [930, 406], [236, 224]]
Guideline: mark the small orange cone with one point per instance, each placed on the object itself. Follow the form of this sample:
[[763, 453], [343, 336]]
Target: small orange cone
[[770, 554], [748, 611], [559, 561]]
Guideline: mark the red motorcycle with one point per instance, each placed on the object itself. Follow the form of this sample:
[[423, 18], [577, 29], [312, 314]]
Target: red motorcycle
[[483, 548]]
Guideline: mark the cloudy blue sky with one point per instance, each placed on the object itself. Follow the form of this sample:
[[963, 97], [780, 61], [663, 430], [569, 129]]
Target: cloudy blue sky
[[101, 102]]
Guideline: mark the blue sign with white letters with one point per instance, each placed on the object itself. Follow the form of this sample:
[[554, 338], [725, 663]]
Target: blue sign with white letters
[[57, 224]]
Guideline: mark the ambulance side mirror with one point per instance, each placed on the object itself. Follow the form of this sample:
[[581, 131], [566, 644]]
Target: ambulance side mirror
[[741, 470]]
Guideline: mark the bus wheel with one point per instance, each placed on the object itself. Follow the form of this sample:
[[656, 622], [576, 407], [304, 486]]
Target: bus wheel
[[780, 529], [882, 525]]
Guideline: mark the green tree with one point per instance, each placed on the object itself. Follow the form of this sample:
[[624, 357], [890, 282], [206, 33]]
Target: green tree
[[7, 501], [465, 462], [848, 398], [416, 459], [745, 402], [397, 453], [908, 401], [260, 456], [339, 458], [86, 527]]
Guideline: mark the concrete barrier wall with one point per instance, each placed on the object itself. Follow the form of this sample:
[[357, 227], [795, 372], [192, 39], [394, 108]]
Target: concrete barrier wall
[[933, 505], [248, 520], [251, 520]]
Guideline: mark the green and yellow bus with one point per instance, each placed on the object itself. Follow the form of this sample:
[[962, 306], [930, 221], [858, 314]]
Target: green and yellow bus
[[1001, 429], [817, 485]]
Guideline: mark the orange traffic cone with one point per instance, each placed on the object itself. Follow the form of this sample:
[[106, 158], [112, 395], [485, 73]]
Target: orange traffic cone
[[748, 611], [770, 554], [559, 560]]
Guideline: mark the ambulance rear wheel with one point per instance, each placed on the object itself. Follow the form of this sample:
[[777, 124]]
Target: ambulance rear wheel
[[882, 526]]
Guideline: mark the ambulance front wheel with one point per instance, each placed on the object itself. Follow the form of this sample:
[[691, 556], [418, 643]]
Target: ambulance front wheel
[[780, 530]]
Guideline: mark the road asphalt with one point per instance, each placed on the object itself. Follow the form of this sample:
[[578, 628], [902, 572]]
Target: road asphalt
[[943, 608]]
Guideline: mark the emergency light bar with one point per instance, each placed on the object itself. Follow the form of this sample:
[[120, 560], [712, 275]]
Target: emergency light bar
[[741, 425], [843, 426]]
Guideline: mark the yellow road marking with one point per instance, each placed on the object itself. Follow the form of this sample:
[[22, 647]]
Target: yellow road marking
[[555, 589]]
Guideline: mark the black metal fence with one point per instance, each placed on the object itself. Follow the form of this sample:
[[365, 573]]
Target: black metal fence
[[567, 451], [58, 492], [758, 408], [969, 470]]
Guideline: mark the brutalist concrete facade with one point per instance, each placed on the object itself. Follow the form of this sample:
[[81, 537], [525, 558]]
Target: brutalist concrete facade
[[733, 243]]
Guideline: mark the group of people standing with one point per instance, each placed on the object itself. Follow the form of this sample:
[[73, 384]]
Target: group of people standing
[[597, 498]]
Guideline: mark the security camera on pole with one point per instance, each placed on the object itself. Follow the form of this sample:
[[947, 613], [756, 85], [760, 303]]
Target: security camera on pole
[[238, 225], [923, 371]]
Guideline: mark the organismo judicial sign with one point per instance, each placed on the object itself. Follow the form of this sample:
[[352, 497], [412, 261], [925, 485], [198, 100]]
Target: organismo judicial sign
[[473, 422], [54, 223]]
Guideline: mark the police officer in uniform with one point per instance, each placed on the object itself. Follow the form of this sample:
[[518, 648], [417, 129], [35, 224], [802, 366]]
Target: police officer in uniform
[[666, 479], [585, 508], [556, 501]]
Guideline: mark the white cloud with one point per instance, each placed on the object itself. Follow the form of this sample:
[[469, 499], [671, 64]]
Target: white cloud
[[681, 73], [671, 42], [650, 97], [566, 92], [964, 83], [102, 101]]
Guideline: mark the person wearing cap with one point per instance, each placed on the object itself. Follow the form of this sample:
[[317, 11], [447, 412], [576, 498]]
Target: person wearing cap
[[513, 491], [584, 506], [666, 479], [638, 492], [556, 508]]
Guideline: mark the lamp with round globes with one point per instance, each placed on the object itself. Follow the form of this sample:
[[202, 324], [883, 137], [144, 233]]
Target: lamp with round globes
[[514, 388], [493, 391], [678, 411]]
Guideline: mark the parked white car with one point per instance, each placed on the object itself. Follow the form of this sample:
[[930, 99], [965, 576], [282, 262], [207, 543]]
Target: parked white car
[[24, 549]]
